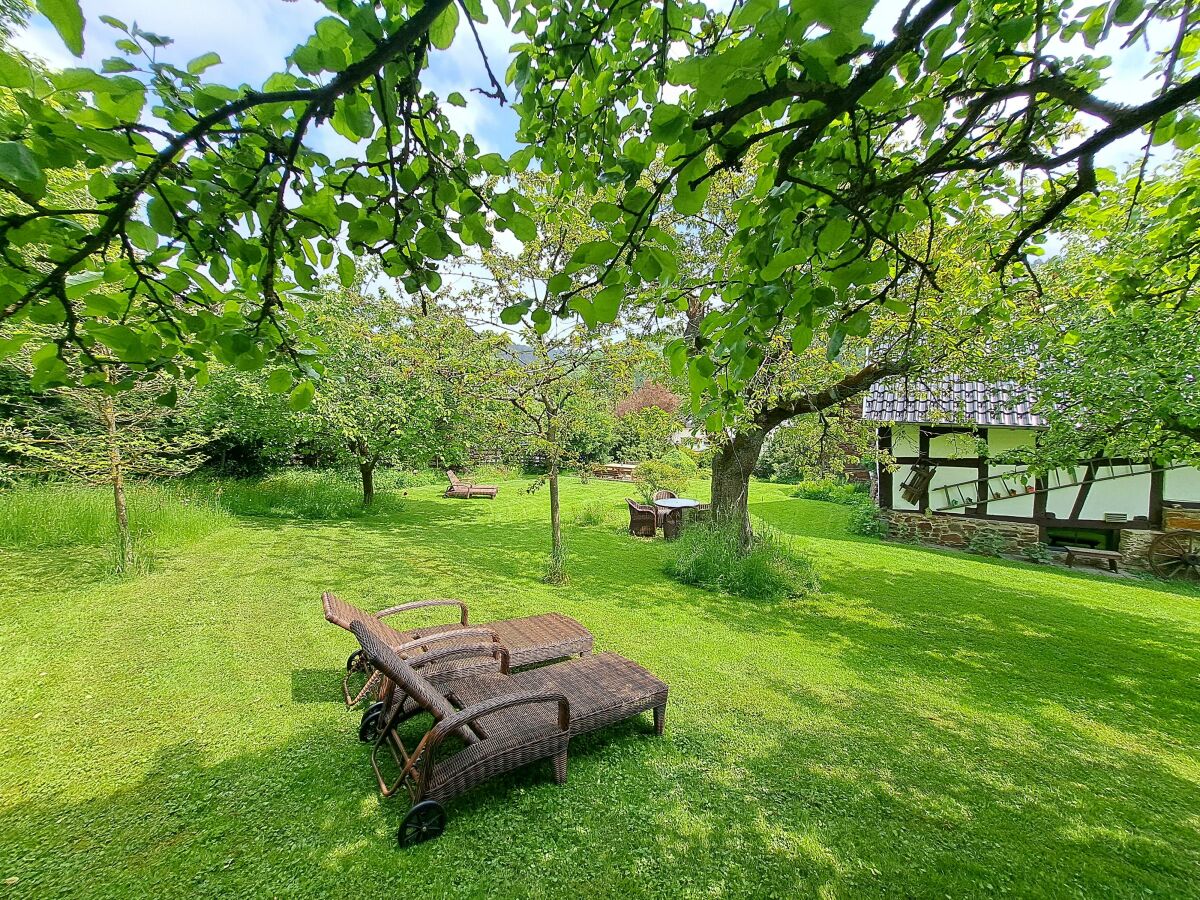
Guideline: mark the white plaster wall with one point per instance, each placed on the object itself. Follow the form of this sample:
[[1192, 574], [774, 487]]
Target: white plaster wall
[[1001, 439], [1061, 501], [1020, 505], [1129, 495], [952, 475], [954, 446], [1182, 484], [906, 441]]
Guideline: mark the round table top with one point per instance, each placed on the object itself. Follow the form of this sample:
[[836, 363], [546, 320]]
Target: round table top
[[676, 503]]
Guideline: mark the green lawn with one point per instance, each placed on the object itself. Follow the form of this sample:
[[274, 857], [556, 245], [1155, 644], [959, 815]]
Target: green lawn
[[933, 725]]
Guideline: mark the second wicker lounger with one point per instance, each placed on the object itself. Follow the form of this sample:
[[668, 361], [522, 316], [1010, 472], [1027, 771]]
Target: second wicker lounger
[[505, 720]]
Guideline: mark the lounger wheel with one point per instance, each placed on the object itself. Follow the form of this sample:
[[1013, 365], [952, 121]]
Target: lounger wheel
[[356, 662], [424, 821], [368, 729]]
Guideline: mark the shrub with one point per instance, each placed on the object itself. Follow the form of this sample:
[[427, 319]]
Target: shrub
[[673, 473], [596, 512], [1038, 552], [987, 543], [829, 491], [866, 519], [709, 556]]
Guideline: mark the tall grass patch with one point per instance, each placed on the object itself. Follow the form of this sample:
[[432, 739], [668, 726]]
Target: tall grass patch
[[709, 556], [61, 516], [294, 494]]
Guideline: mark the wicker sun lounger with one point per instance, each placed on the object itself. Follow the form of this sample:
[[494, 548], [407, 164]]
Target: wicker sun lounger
[[465, 490], [505, 720], [529, 641]]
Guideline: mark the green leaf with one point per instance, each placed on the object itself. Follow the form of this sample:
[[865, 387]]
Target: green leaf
[[593, 253], [202, 62], [1126, 12], [352, 118], [302, 395], [608, 303], [441, 32], [836, 337], [603, 211], [511, 315], [67, 19], [169, 399], [18, 167], [783, 262], [559, 284], [801, 338], [521, 226], [117, 64], [143, 236], [456, 99], [833, 235], [345, 270], [280, 381], [160, 216]]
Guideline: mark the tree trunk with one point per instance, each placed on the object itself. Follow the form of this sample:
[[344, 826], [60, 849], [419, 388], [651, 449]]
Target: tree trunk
[[731, 470], [116, 475], [367, 469], [555, 517]]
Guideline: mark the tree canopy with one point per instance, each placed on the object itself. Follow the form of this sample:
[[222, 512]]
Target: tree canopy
[[207, 212]]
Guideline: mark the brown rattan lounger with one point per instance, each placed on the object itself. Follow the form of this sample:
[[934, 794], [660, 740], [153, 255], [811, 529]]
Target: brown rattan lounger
[[466, 490], [506, 720], [529, 641]]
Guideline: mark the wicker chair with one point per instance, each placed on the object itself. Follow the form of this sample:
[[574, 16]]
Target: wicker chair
[[528, 641], [465, 490], [643, 520], [659, 511], [504, 720]]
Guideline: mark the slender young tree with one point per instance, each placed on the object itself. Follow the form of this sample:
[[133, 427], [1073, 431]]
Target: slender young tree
[[102, 437]]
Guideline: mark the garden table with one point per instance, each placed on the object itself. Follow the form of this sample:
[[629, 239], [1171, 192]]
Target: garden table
[[673, 521]]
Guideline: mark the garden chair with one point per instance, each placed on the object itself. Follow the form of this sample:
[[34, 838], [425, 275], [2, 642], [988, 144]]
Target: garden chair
[[643, 520], [663, 513], [465, 490], [527, 641], [504, 721]]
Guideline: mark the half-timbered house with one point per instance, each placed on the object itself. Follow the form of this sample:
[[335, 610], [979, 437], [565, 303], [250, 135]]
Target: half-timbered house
[[948, 471]]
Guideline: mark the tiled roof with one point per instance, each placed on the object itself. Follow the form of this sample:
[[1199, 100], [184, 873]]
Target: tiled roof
[[951, 401]]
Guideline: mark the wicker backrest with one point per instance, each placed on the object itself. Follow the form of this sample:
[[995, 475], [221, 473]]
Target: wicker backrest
[[664, 495], [404, 676], [638, 507], [341, 613]]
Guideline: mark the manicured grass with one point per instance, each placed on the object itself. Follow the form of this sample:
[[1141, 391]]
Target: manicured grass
[[933, 725]]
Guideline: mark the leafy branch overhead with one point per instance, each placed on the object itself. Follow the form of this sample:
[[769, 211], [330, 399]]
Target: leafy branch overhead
[[206, 213], [866, 147]]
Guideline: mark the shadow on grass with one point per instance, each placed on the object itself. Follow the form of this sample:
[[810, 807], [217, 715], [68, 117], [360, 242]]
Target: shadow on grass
[[849, 797]]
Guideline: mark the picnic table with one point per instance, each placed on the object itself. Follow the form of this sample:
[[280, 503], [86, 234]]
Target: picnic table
[[1111, 557], [673, 521]]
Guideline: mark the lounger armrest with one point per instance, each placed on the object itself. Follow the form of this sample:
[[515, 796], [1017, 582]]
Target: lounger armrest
[[466, 716], [493, 649], [441, 637], [419, 604]]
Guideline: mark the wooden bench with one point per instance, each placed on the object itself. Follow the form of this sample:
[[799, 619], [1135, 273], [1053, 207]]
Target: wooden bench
[[1111, 557]]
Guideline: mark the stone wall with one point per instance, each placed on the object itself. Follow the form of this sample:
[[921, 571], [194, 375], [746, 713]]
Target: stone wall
[[1133, 546], [954, 530]]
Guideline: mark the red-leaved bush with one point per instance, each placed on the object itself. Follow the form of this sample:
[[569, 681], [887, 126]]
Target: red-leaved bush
[[649, 394]]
